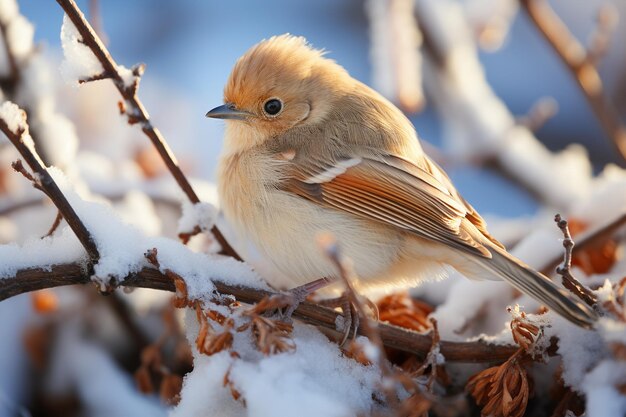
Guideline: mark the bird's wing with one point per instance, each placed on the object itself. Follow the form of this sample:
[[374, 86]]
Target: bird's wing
[[387, 189], [472, 215]]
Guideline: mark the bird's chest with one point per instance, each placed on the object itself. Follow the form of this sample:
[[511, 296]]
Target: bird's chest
[[248, 193]]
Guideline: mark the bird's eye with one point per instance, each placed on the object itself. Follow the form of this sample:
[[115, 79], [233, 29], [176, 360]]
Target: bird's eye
[[273, 106]]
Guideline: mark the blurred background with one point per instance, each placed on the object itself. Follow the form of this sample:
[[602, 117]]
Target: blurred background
[[190, 47]]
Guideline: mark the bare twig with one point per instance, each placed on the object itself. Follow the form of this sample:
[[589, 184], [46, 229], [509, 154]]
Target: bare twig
[[432, 359], [587, 239], [392, 336], [135, 109], [564, 271], [581, 64], [55, 224], [44, 180]]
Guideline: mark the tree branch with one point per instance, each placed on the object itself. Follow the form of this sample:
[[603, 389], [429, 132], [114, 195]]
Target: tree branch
[[582, 66], [565, 272], [46, 183], [69, 274], [136, 111], [586, 239]]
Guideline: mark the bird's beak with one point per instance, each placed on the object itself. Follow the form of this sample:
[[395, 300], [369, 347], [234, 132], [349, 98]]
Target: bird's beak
[[228, 111]]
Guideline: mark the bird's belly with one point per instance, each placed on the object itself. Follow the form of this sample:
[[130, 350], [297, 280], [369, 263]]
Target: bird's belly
[[285, 227]]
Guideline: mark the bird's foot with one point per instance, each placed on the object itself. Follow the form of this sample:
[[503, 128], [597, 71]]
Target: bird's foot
[[286, 303], [349, 320]]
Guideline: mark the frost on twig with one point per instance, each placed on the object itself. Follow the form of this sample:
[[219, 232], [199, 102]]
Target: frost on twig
[[13, 125]]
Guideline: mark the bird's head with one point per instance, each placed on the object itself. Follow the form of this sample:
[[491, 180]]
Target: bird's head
[[280, 83]]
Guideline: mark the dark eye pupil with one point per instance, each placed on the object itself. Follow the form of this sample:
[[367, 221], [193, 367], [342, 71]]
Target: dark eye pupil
[[273, 106]]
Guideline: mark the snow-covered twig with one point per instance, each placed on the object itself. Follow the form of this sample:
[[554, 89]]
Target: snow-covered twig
[[13, 125], [127, 82], [565, 272], [581, 63], [392, 336]]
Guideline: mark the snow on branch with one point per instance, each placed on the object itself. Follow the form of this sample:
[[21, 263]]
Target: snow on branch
[[13, 125], [127, 82], [392, 336]]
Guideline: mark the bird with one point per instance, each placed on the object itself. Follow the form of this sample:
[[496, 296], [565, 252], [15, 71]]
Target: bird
[[309, 149]]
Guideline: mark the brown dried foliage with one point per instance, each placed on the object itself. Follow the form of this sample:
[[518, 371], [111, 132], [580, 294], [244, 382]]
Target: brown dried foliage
[[595, 258], [525, 333], [171, 385], [401, 310], [154, 374], [501, 391], [209, 341], [271, 336]]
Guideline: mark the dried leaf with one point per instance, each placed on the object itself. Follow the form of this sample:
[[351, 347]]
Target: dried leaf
[[171, 385], [524, 333], [144, 380], [595, 258], [216, 316], [209, 342], [181, 299], [272, 336], [401, 310], [233, 391], [501, 391]]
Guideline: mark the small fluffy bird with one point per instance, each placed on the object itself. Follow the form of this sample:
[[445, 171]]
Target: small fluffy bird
[[309, 149]]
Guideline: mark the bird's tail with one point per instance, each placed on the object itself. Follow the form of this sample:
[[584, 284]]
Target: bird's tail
[[527, 280]]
